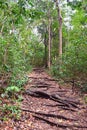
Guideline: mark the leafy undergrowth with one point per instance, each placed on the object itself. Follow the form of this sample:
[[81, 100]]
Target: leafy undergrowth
[[9, 108], [11, 116], [10, 100]]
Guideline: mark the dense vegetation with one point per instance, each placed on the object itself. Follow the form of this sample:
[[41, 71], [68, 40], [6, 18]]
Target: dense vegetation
[[42, 33]]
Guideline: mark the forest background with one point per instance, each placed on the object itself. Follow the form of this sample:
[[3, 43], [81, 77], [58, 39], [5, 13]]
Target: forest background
[[50, 33]]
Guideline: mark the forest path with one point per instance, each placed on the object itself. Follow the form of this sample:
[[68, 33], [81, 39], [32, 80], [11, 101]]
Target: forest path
[[46, 106]]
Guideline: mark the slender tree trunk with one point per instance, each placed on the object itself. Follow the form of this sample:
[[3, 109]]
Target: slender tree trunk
[[60, 34], [60, 26], [45, 50], [49, 39], [49, 44]]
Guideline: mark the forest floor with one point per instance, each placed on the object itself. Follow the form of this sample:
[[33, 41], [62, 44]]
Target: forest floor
[[48, 106]]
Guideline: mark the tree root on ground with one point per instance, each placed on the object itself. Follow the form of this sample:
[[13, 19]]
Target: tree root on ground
[[55, 97], [59, 125], [50, 115], [43, 116]]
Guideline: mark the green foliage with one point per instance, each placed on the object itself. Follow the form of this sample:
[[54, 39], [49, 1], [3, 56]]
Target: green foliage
[[55, 68], [74, 65], [15, 39], [75, 4], [10, 111], [10, 104], [19, 82], [12, 89], [22, 47], [75, 60]]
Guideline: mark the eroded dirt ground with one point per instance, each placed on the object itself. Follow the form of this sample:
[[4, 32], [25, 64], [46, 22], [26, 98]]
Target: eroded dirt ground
[[40, 112]]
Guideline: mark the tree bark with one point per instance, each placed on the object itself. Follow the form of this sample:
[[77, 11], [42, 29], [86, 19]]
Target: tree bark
[[49, 43], [60, 26], [45, 50]]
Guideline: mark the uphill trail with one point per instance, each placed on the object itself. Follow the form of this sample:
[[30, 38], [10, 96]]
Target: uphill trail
[[50, 107]]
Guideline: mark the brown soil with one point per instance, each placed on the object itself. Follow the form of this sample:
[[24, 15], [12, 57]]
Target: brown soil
[[38, 112]]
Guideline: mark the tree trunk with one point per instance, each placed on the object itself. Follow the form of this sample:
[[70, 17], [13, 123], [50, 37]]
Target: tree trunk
[[60, 26], [45, 50], [49, 43]]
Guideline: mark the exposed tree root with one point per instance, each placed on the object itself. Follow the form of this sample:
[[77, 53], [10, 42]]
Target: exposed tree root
[[60, 109], [45, 78], [40, 86], [50, 115], [51, 123], [68, 103], [59, 125], [62, 106]]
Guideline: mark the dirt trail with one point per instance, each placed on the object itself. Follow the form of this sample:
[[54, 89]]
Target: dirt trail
[[47, 106], [50, 107]]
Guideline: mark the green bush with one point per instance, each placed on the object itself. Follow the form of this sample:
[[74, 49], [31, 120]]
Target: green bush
[[74, 64], [12, 91], [75, 61], [10, 111], [19, 82]]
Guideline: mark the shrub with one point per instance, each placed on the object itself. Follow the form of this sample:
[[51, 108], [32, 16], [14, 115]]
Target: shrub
[[12, 91], [74, 64]]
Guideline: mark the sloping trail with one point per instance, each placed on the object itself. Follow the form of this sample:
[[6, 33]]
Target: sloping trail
[[47, 106], [51, 107]]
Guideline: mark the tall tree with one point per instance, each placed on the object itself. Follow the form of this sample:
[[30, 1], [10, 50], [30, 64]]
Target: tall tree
[[60, 26], [49, 40]]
